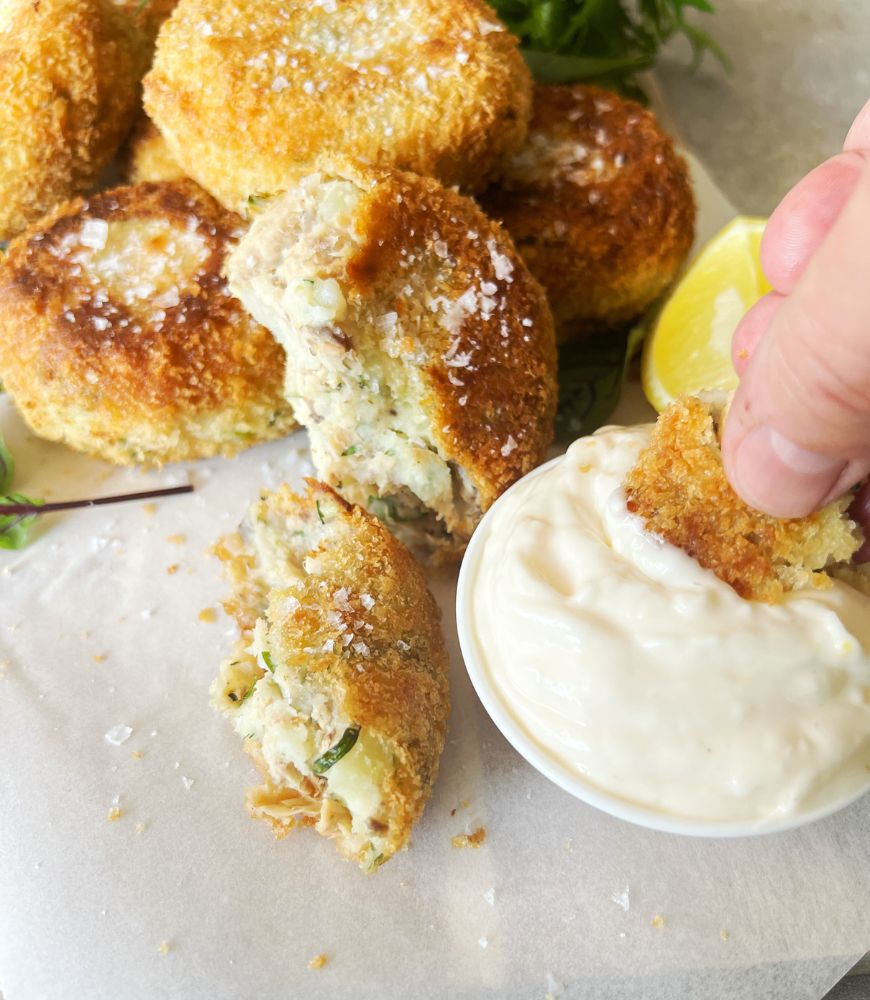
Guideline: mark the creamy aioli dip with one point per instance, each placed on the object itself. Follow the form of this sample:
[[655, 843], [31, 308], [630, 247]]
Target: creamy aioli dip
[[630, 665]]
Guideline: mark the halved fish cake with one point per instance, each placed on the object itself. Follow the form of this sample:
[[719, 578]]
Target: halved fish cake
[[119, 337], [248, 94], [69, 91], [421, 354], [600, 206], [339, 682]]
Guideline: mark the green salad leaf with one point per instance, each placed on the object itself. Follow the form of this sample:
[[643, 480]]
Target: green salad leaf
[[14, 526], [608, 41], [591, 376], [7, 466]]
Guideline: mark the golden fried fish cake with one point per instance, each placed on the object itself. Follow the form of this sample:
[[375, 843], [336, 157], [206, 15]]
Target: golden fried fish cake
[[599, 204], [69, 91], [147, 156], [339, 681], [250, 93], [118, 335], [680, 490], [421, 353]]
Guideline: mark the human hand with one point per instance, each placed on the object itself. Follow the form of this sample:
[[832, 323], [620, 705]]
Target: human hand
[[798, 429]]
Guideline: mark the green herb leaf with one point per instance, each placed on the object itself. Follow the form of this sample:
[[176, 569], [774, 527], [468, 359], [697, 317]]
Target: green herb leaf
[[591, 376], [249, 692], [7, 466], [349, 450], [267, 659], [14, 527], [386, 509], [319, 512], [334, 754], [609, 41]]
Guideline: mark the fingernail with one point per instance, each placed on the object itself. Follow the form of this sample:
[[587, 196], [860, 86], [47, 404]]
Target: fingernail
[[779, 477]]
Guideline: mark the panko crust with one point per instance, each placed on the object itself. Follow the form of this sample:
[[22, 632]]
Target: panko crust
[[141, 380], [69, 91], [250, 95], [491, 376], [394, 683], [680, 490], [599, 204], [147, 156]]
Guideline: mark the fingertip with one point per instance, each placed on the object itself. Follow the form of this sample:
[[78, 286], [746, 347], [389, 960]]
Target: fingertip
[[802, 219]]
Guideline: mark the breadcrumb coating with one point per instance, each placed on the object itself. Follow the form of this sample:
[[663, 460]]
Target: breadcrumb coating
[[599, 204], [680, 490], [147, 156]]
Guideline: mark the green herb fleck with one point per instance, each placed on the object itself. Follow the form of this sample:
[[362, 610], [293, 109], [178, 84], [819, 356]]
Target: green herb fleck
[[386, 509], [249, 692], [267, 659], [332, 756], [349, 450], [319, 512], [591, 376]]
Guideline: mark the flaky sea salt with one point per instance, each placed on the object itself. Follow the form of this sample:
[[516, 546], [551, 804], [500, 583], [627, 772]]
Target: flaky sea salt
[[118, 734], [622, 899]]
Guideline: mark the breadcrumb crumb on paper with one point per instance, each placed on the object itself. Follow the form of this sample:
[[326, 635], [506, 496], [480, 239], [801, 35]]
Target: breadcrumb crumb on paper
[[208, 615], [473, 839], [114, 814], [164, 947], [658, 921], [318, 961]]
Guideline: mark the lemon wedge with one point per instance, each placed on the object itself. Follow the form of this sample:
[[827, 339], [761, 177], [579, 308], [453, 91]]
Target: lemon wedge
[[689, 348]]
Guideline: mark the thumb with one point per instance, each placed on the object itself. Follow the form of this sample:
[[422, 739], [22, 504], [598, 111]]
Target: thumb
[[798, 430]]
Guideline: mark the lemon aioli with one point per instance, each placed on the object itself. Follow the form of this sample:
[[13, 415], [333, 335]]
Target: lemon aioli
[[631, 666]]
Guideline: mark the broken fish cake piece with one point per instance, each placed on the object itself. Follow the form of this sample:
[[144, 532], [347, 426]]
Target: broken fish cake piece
[[421, 352], [339, 681], [680, 489]]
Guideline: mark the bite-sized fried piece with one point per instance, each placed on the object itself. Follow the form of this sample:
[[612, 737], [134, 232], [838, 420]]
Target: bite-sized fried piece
[[248, 94], [118, 335], [147, 156], [339, 681], [599, 204], [680, 490], [69, 91], [421, 354]]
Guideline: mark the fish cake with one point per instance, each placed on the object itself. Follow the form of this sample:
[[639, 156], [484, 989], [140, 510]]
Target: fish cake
[[600, 206], [421, 354], [680, 490], [339, 681], [250, 94], [69, 92], [147, 155], [118, 335]]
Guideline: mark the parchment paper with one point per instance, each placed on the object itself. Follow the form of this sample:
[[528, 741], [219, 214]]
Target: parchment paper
[[184, 896]]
